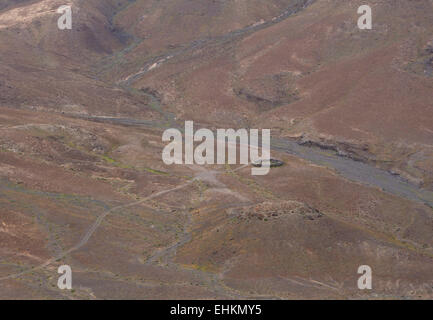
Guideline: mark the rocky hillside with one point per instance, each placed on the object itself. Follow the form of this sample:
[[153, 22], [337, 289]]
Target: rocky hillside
[[82, 181]]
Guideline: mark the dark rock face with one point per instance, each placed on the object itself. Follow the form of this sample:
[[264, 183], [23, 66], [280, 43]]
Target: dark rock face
[[273, 163], [275, 210]]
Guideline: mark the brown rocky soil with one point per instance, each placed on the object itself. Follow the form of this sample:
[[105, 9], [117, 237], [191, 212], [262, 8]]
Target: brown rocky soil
[[82, 181]]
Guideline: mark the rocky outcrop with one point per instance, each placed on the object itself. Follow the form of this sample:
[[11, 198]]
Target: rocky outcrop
[[275, 210]]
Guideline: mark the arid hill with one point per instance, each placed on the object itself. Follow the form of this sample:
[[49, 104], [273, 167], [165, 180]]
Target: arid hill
[[82, 181]]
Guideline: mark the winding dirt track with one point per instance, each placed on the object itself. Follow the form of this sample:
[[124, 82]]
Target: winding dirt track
[[86, 237]]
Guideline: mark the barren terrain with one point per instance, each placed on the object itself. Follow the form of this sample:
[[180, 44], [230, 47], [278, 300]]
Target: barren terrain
[[82, 181]]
